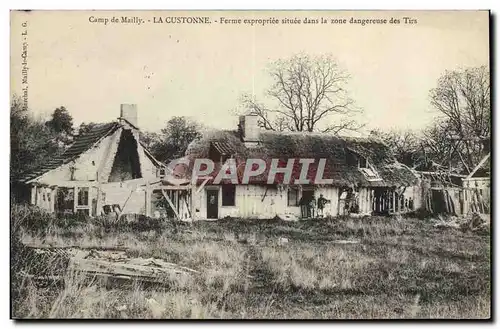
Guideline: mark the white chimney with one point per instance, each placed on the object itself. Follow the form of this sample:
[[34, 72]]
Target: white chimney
[[249, 128], [129, 113]]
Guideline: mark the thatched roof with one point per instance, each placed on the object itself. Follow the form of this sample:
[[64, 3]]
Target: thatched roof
[[338, 152]]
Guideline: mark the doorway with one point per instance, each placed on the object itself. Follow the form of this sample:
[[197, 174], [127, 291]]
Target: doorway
[[212, 204], [307, 208]]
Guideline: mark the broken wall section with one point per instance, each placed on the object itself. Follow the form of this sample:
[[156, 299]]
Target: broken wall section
[[126, 165]]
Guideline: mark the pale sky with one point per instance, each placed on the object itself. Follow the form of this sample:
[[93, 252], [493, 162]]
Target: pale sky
[[201, 70]]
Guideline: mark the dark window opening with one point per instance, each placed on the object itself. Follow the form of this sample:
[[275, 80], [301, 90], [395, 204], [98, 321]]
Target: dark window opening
[[65, 200], [213, 154], [308, 204], [94, 202], [83, 196], [351, 159], [308, 195], [126, 164], [293, 197], [107, 209], [228, 195], [363, 163]]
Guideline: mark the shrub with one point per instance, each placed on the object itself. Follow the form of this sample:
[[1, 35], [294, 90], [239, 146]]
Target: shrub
[[421, 213], [143, 223], [31, 218]]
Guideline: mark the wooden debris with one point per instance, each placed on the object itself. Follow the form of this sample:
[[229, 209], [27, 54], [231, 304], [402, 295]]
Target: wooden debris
[[346, 241], [114, 264], [117, 264]]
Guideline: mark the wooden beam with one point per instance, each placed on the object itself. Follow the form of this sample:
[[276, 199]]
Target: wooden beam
[[479, 165], [445, 198], [202, 185], [70, 184], [434, 172], [75, 198], [463, 162], [475, 139], [99, 200], [193, 208], [478, 179], [170, 203], [170, 187], [33, 194], [147, 196], [187, 206], [175, 197], [265, 193], [125, 204], [53, 195], [393, 202]]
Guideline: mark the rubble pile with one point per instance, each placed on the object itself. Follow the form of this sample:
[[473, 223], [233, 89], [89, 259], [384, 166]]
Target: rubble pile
[[474, 222]]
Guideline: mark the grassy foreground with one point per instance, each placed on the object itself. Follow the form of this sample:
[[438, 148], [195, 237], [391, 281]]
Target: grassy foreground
[[342, 268]]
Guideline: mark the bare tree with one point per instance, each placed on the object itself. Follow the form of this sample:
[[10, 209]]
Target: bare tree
[[436, 146], [463, 98], [309, 95], [405, 144]]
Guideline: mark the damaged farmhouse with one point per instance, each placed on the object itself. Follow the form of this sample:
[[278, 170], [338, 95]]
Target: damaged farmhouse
[[107, 170], [231, 166], [357, 175]]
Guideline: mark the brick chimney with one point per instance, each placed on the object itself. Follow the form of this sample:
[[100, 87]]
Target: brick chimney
[[249, 129], [129, 113]]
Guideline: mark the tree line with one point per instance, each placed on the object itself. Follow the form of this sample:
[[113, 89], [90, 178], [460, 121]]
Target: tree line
[[310, 94], [461, 135]]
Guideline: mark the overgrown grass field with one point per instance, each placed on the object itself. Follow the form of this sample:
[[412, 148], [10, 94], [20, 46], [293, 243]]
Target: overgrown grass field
[[339, 268]]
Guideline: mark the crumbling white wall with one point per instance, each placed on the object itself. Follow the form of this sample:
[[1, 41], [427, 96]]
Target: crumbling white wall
[[148, 168], [129, 195], [96, 164], [88, 165], [252, 201], [43, 197], [330, 193]]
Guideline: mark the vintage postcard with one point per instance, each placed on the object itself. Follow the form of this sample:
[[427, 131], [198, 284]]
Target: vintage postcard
[[250, 164]]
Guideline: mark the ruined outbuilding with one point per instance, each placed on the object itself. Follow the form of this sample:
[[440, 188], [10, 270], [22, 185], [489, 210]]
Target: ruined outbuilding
[[106, 170], [445, 191]]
